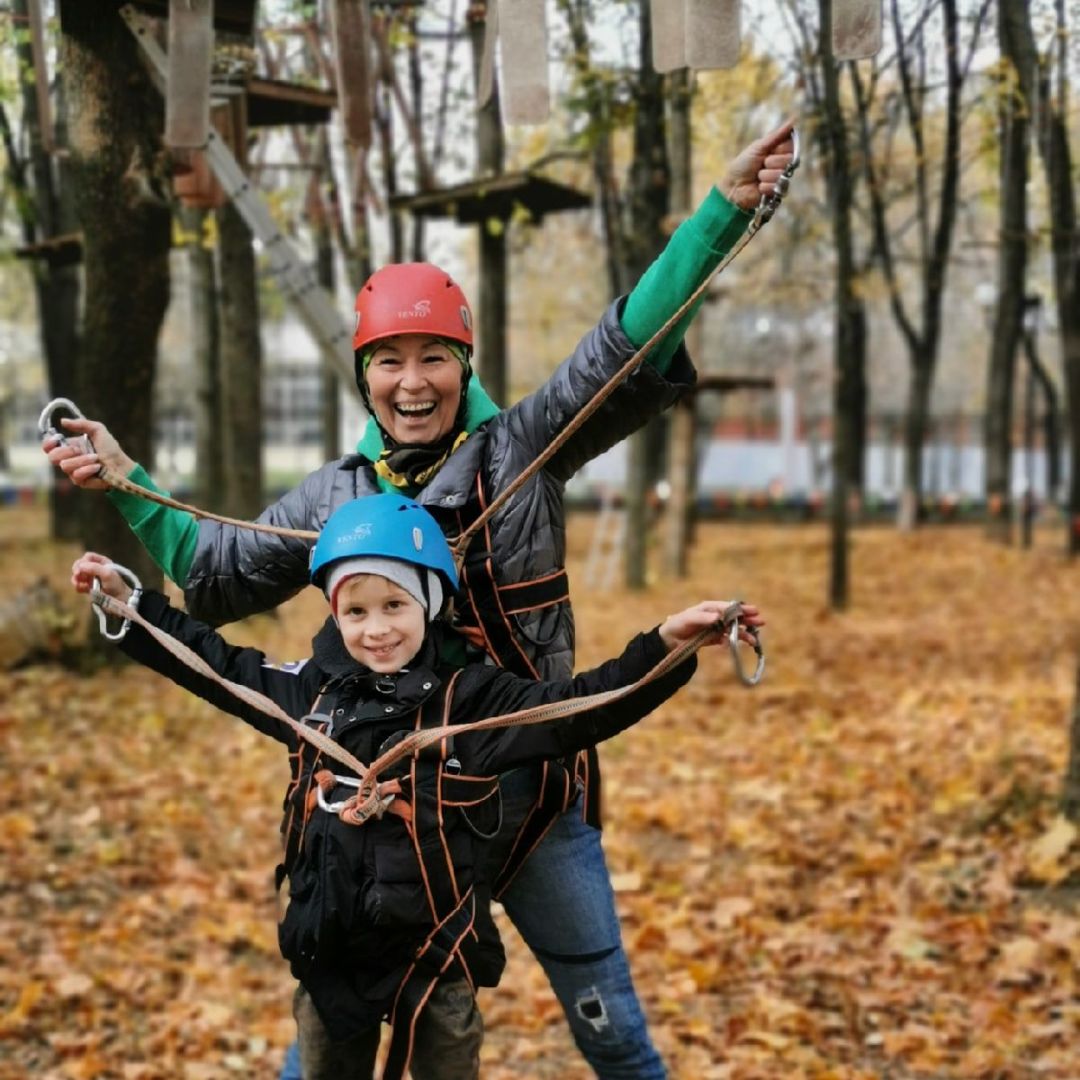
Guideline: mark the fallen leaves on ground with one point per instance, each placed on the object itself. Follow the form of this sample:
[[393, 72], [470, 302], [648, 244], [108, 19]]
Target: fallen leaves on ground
[[856, 870]]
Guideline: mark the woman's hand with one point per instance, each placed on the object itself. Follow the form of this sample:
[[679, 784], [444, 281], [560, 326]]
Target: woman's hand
[[91, 565], [676, 629], [82, 468], [755, 171]]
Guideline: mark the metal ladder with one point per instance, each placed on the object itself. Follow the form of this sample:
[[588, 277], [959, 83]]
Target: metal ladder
[[296, 279], [608, 543]]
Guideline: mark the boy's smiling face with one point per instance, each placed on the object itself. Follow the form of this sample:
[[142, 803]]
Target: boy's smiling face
[[381, 624]]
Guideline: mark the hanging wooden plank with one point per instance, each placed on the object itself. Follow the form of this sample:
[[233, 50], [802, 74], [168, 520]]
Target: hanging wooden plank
[[524, 82], [856, 29], [353, 67], [187, 98], [668, 26], [712, 33]]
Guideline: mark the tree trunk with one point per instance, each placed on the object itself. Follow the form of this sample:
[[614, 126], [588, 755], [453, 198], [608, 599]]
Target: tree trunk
[[1057, 161], [491, 316], [915, 427], [850, 317], [1051, 440], [598, 106], [208, 483], [922, 336], [50, 212], [241, 366], [331, 394], [1018, 52], [116, 116], [648, 205], [416, 94], [1070, 792], [681, 448]]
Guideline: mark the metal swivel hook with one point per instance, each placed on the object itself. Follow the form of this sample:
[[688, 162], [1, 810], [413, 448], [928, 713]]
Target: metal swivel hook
[[771, 203]]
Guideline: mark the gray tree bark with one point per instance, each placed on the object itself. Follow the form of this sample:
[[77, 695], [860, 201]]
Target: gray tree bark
[[648, 206], [241, 366], [492, 306], [922, 335], [49, 201], [682, 460], [1018, 54], [850, 316], [1057, 160], [117, 173], [209, 482]]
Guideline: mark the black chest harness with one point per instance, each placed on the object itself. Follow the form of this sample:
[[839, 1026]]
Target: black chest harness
[[487, 618], [360, 898]]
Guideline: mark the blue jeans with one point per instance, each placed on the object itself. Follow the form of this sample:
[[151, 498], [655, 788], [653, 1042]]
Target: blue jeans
[[562, 904]]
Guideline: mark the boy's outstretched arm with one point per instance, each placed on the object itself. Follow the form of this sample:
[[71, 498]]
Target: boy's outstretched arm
[[494, 692], [292, 688]]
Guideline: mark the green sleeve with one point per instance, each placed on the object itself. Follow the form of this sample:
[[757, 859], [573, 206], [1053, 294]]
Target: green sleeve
[[694, 251], [168, 535]]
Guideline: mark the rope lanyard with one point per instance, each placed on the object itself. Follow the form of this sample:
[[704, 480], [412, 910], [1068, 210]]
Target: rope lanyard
[[766, 209], [369, 799]]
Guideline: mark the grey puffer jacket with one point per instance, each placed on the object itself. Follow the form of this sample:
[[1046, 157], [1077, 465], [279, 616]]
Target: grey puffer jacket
[[237, 572]]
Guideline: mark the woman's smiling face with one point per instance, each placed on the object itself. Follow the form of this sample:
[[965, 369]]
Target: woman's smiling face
[[415, 386]]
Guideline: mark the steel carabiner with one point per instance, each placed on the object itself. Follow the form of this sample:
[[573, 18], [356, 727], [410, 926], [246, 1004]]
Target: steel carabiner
[[731, 616], [46, 427], [98, 597]]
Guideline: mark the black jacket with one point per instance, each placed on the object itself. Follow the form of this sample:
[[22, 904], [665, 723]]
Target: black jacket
[[353, 967]]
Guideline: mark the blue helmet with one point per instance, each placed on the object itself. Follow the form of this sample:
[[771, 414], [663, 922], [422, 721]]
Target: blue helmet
[[387, 527]]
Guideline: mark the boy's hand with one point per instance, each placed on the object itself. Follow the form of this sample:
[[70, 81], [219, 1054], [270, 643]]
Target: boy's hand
[[676, 629], [755, 171], [90, 566], [82, 468]]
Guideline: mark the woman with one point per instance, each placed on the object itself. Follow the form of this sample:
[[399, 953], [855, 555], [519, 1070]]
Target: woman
[[434, 435]]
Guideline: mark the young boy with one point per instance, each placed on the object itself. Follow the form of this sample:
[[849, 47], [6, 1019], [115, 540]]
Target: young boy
[[386, 917]]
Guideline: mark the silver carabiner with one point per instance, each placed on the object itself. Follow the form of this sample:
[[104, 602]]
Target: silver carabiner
[[771, 203], [733, 612], [46, 427], [335, 807], [97, 595]]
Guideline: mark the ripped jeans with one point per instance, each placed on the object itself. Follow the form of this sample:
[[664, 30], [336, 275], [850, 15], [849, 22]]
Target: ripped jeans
[[562, 904]]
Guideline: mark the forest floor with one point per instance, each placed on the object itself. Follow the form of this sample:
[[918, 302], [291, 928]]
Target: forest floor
[[854, 870]]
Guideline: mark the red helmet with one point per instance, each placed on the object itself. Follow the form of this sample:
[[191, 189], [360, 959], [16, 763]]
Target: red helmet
[[411, 298]]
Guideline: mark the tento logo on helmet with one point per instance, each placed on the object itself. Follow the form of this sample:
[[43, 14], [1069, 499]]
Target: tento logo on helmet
[[418, 538], [360, 532], [420, 309]]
